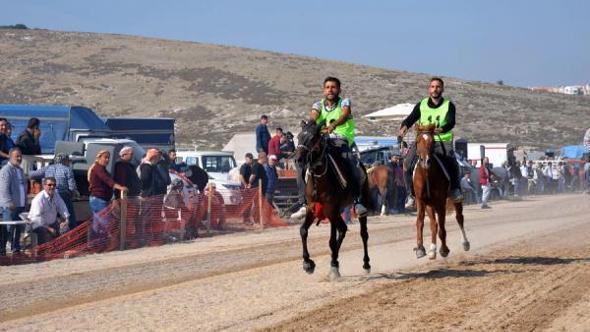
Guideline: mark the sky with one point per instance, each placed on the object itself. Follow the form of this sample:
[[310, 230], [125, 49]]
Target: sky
[[523, 43]]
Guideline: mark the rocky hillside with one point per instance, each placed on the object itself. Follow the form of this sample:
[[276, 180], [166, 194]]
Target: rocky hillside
[[214, 91]]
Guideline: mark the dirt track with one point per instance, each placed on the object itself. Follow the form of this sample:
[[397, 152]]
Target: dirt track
[[529, 268]]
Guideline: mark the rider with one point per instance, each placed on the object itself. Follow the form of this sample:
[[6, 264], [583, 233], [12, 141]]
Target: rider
[[335, 114], [439, 111]]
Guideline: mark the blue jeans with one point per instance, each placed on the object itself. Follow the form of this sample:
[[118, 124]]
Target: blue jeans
[[11, 232], [96, 205]]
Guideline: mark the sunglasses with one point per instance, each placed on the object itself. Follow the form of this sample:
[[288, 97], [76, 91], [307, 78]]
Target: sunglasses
[[50, 184]]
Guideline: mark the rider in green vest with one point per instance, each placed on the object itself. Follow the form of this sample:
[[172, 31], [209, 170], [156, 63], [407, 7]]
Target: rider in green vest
[[334, 113], [440, 111]]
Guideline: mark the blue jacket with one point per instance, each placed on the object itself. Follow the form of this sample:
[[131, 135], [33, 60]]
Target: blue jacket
[[262, 138], [272, 179]]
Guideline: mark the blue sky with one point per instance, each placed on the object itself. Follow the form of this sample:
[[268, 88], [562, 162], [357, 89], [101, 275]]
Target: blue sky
[[523, 43]]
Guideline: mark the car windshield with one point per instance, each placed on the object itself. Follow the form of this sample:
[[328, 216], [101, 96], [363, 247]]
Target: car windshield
[[220, 164]]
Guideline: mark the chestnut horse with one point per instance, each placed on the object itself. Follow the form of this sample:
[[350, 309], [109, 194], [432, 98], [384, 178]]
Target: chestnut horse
[[431, 187], [378, 178], [327, 195]]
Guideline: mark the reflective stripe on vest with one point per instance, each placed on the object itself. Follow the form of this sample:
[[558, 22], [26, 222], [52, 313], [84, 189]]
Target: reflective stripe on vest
[[346, 129], [437, 116]]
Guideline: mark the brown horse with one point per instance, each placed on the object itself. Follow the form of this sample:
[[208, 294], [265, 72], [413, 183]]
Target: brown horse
[[431, 186], [378, 178], [328, 194]]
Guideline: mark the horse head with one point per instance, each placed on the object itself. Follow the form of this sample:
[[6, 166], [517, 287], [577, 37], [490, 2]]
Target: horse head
[[308, 140], [424, 144]]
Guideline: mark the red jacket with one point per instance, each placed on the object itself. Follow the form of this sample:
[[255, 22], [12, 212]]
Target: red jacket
[[101, 184], [484, 176], [274, 145]]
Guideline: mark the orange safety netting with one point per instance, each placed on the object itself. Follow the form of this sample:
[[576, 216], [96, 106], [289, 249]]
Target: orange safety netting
[[154, 221]]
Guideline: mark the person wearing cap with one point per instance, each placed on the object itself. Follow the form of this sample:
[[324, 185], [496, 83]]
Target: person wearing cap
[[28, 140], [65, 183], [125, 173], [262, 135]]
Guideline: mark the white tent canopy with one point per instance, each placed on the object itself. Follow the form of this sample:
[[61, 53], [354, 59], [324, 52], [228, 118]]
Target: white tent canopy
[[396, 112]]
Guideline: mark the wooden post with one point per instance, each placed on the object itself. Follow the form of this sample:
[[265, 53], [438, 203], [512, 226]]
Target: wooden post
[[260, 208], [123, 220], [209, 205]]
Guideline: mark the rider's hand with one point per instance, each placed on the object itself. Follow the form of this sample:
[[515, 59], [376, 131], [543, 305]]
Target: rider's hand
[[437, 130]]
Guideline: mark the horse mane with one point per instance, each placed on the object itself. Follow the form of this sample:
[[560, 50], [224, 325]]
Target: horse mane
[[425, 129]]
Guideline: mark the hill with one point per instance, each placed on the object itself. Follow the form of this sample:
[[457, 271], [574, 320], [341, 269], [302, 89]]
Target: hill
[[214, 91]]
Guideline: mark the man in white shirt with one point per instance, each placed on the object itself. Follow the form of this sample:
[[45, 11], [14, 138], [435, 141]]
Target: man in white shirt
[[45, 208]]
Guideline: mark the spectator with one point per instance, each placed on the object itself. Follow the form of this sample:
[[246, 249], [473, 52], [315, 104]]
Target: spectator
[[246, 170], [13, 196], [398, 188], [45, 208], [100, 183], [484, 181], [274, 145], [559, 177], [258, 173], [587, 174], [548, 174], [198, 176], [125, 173], [178, 167], [153, 189], [262, 135], [163, 167], [28, 140], [66, 188], [4, 145], [272, 177], [217, 217], [287, 144], [9, 140], [469, 190], [153, 183]]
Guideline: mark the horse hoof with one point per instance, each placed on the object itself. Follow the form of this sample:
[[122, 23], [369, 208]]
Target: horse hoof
[[309, 267], [367, 268], [334, 273], [444, 252], [420, 252], [466, 246]]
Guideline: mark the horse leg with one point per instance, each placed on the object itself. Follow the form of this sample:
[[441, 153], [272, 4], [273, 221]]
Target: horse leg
[[365, 237], [308, 264], [442, 231], [338, 230], [460, 219], [433, 231], [420, 251]]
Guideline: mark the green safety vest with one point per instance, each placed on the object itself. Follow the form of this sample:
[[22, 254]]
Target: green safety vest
[[437, 116], [346, 129]]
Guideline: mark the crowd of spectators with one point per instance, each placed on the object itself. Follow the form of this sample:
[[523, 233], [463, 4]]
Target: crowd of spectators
[[482, 184]]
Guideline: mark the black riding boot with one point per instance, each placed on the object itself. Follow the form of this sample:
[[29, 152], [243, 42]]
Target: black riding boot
[[455, 179]]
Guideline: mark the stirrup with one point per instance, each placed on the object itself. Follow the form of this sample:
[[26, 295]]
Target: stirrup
[[360, 210]]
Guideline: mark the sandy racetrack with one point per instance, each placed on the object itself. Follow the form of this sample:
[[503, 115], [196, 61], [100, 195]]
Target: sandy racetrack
[[529, 268]]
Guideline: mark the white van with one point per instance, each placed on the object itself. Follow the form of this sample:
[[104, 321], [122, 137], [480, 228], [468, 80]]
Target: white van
[[216, 163]]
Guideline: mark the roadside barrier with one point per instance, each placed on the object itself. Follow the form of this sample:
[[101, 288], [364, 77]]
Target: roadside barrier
[[135, 222]]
